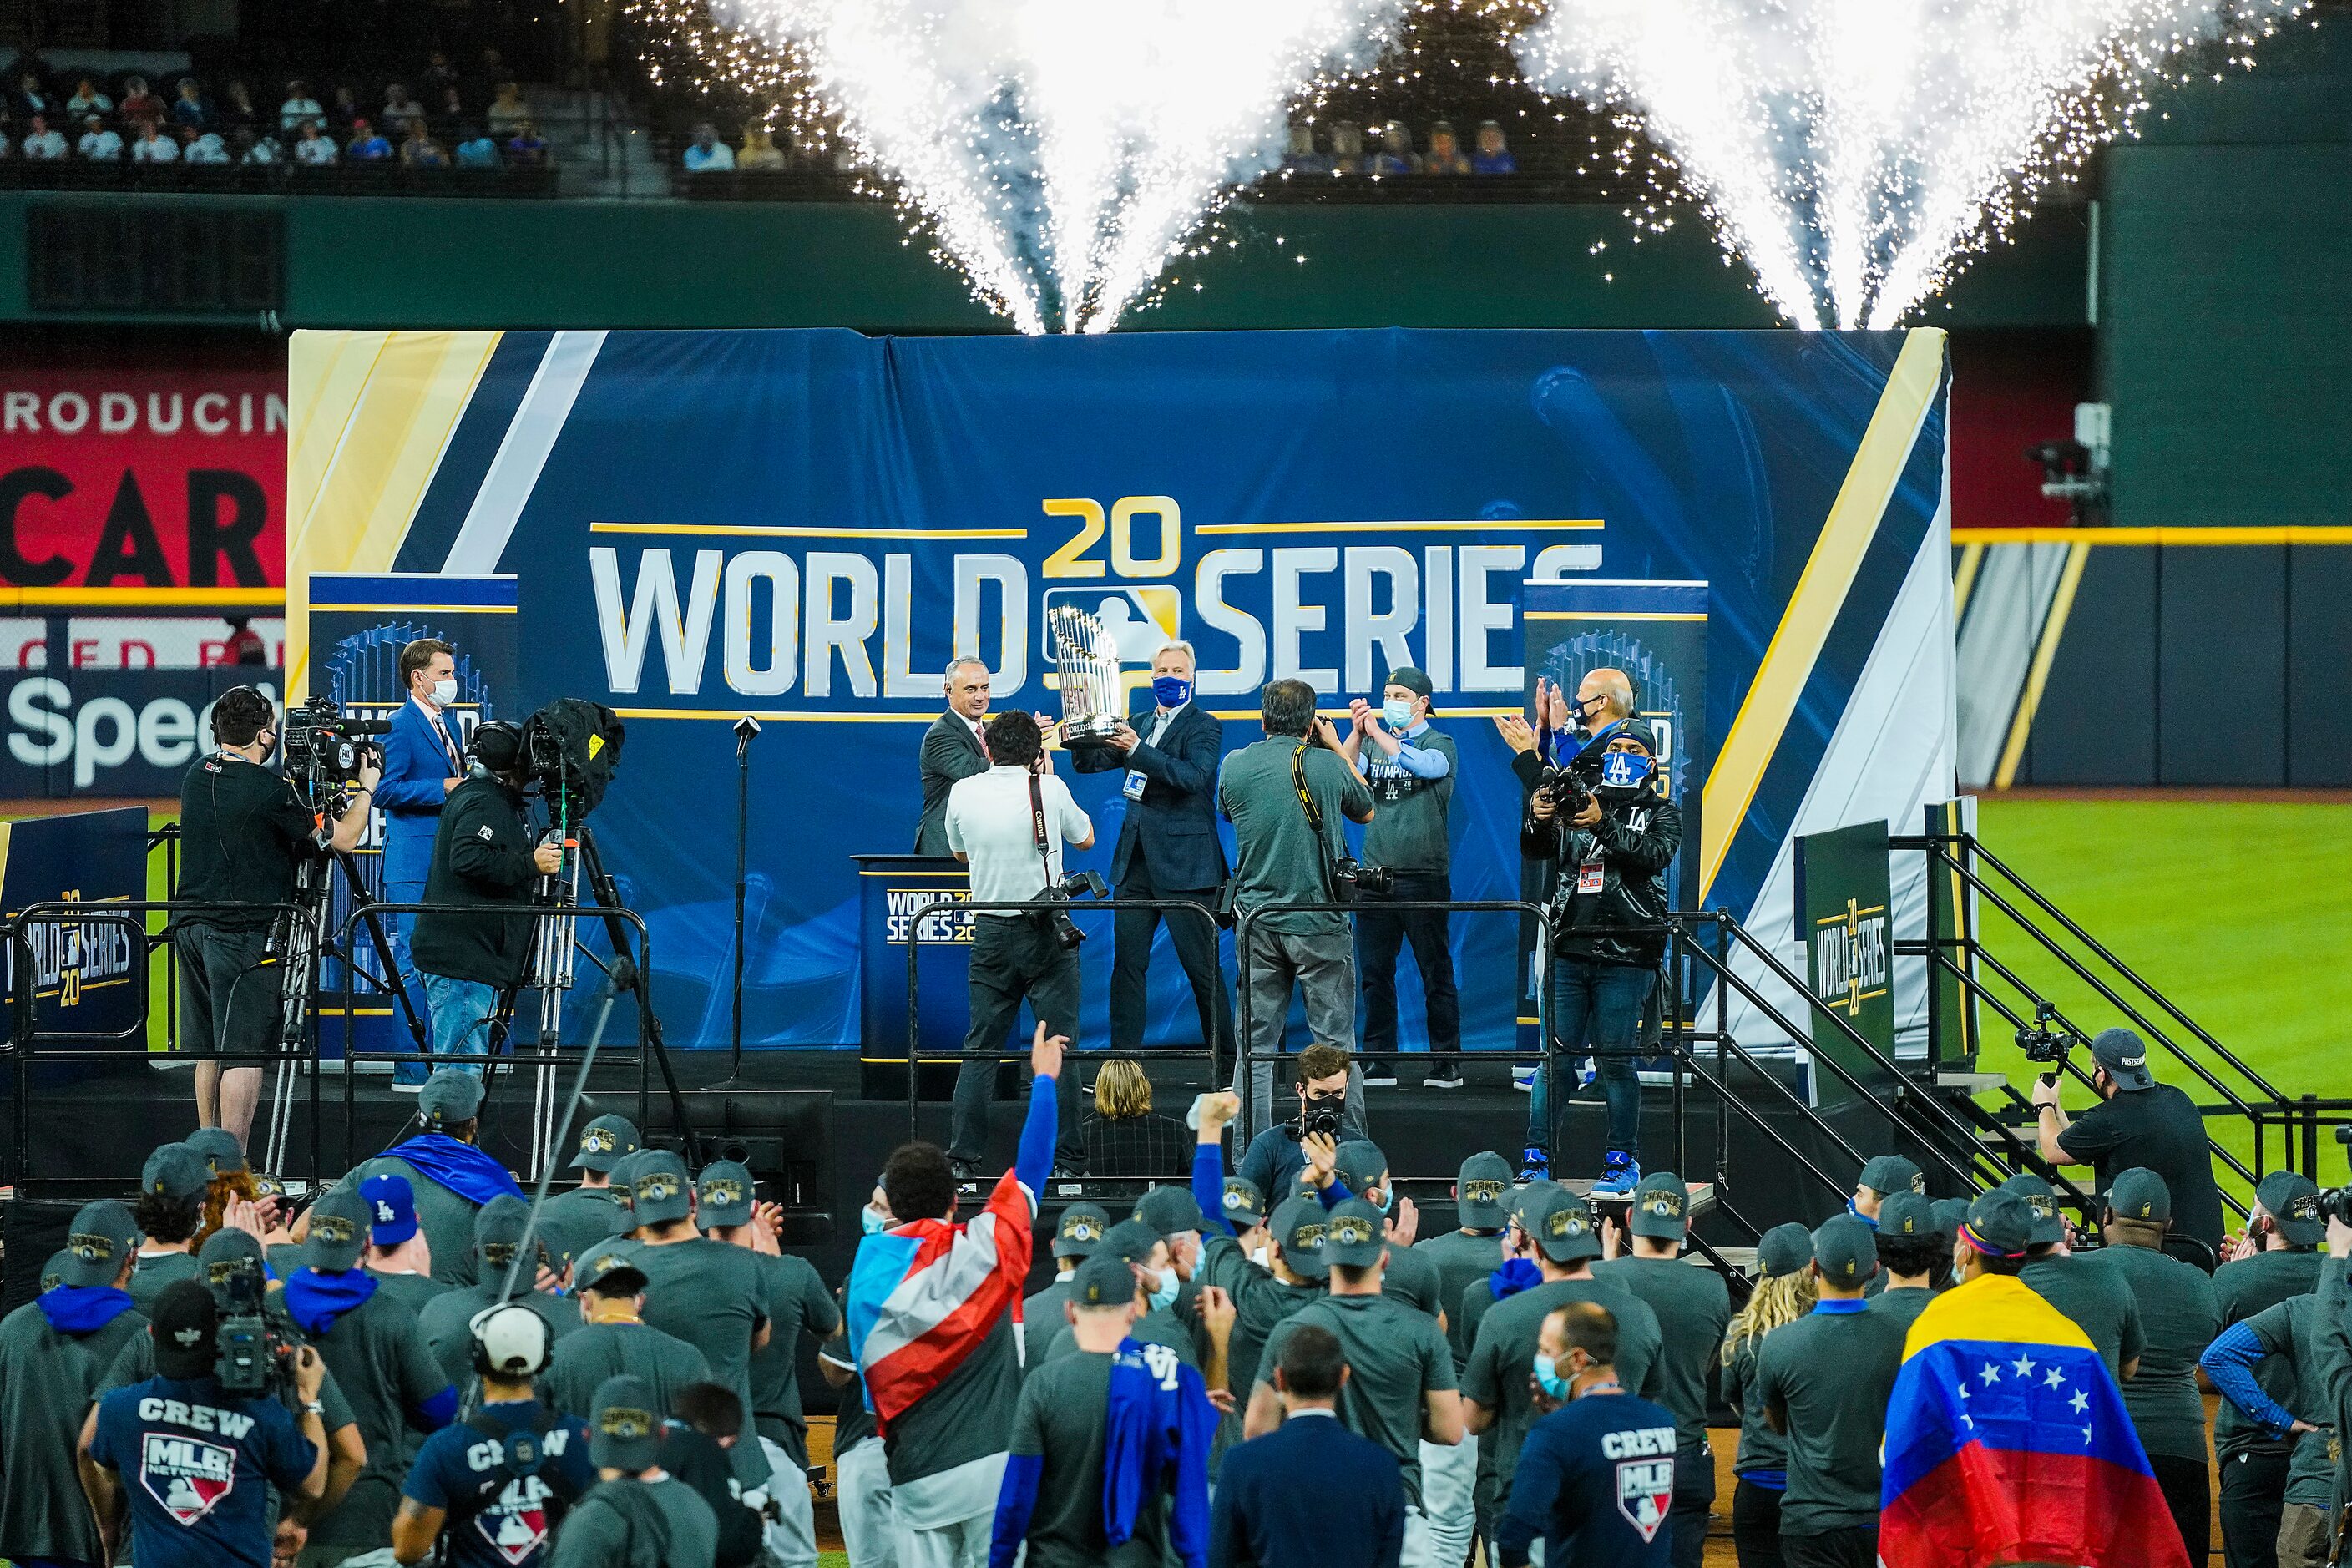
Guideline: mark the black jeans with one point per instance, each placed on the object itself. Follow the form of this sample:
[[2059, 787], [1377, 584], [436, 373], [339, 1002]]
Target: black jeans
[[1694, 1501], [2253, 1492], [1755, 1525], [1015, 957], [1380, 934], [1194, 939], [1853, 1547], [2186, 1488]]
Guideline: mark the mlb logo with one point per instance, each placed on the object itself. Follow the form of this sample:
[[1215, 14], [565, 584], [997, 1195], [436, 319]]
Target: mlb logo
[[188, 1477], [1645, 1489], [516, 1525]]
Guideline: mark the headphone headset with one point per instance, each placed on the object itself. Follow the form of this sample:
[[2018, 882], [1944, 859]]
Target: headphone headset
[[246, 699], [535, 1331], [495, 730]]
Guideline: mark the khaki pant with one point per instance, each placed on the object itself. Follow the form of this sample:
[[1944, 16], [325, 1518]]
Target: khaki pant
[[2303, 1536]]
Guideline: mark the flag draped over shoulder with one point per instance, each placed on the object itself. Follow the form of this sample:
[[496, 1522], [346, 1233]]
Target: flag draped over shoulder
[[924, 1296], [2008, 1442]]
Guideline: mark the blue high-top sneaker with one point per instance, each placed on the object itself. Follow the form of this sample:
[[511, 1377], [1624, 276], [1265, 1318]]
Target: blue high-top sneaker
[[1535, 1164], [1621, 1176]]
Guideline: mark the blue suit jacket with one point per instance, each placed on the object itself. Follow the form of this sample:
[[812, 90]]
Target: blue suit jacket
[[1174, 826], [413, 766], [1308, 1494]]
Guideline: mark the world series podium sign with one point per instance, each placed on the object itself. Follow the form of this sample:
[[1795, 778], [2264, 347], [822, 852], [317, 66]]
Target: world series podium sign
[[1844, 895]]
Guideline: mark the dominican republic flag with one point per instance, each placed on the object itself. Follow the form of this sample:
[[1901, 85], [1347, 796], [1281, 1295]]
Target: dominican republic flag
[[923, 1296], [2008, 1442]]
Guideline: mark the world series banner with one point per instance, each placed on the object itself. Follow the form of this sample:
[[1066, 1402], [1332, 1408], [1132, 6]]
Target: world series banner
[[808, 525]]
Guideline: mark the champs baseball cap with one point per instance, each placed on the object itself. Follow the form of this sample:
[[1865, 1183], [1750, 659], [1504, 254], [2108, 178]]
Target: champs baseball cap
[[604, 1142], [1659, 1203], [1080, 1230], [1519, 1203], [2000, 1224], [1562, 1225], [2140, 1193], [1907, 1214], [220, 1149], [1171, 1211], [175, 1170], [1244, 1206], [1355, 1233], [1950, 1214], [1361, 1164], [2125, 1056], [103, 1235], [1130, 1241], [1479, 1189], [610, 1269], [450, 1096], [224, 1253], [2291, 1200], [1102, 1280], [1415, 682], [339, 1232], [2042, 1198], [1298, 1225], [724, 1194], [53, 1272], [1892, 1173], [1783, 1249], [499, 1226], [392, 1208], [659, 1190], [623, 1426], [186, 1326], [1846, 1251]]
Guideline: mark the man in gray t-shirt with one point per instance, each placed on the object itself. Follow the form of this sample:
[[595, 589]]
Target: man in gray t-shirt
[[1287, 797]]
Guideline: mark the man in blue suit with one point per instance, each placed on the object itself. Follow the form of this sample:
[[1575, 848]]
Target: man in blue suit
[[1168, 848], [1310, 1492], [424, 760]]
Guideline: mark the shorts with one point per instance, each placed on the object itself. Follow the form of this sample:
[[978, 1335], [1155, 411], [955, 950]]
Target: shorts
[[229, 999]]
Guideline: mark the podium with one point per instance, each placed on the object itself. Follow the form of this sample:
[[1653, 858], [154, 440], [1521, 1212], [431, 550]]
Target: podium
[[890, 890]]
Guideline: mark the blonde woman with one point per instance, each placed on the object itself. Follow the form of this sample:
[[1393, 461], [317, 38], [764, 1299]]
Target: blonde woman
[[1124, 1138], [1784, 1292]]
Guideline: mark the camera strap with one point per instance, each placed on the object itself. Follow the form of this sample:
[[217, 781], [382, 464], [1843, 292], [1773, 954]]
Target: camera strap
[[1314, 819], [1038, 826]]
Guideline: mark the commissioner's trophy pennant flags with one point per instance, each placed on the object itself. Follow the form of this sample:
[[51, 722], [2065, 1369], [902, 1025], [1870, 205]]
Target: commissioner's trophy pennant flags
[[2008, 1442]]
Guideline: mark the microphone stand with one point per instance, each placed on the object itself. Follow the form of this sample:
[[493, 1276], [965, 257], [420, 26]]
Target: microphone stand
[[747, 729]]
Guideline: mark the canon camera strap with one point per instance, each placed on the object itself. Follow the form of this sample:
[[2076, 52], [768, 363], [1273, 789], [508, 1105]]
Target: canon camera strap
[[1314, 818], [1038, 826]]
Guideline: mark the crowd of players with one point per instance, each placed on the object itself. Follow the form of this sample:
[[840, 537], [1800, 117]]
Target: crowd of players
[[1275, 1372]]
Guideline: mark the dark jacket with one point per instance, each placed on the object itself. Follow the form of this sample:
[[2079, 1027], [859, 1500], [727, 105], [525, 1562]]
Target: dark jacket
[[1174, 826], [481, 856], [1635, 839], [1308, 1493], [950, 753]]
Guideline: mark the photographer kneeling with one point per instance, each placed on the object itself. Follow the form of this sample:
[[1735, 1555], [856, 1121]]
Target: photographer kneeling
[[1609, 929], [2137, 1122], [243, 831], [482, 855], [1009, 824]]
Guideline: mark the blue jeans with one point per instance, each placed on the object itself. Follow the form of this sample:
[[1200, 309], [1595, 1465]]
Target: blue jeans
[[461, 1017], [408, 856], [1599, 1006]]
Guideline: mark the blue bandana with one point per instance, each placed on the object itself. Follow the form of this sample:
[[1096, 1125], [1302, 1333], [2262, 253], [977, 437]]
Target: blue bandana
[[315, 1300], [1516, 1275], [82, 1309], [460, 1167]]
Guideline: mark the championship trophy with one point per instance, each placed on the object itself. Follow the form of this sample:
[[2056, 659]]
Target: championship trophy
[[1093, 697]]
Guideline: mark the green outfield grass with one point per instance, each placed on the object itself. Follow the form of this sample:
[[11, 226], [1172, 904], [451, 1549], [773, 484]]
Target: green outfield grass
[[2238, 912]]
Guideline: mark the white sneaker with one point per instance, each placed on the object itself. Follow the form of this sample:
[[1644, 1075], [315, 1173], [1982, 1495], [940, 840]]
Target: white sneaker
[[1443, 1078], [1523, 1079], [1379, 1078], [400, 1087]]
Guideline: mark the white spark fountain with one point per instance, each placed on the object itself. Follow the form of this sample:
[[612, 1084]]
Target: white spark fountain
[[1856, 151], [1065, 153]]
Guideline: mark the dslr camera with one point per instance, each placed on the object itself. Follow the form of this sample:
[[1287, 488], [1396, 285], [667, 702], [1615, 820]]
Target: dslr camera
[[1316, 1119], [1076, 885], [1352, 880], [324, 746], [2336, 1203], [2046, 1041], [251, 1354], [1567, 794]]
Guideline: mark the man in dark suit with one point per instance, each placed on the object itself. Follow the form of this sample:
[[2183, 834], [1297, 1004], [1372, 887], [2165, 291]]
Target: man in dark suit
[[1309, 1492], [953, 749], [1168, 848]]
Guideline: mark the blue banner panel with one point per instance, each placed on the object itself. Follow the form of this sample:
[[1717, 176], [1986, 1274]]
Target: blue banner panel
[[86, 978]]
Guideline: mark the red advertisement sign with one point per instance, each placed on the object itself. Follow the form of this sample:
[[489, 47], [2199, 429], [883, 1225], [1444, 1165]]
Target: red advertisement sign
[[143, 479]]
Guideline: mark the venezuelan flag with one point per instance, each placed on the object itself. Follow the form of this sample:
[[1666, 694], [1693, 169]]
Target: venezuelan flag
[[2008, 1442]]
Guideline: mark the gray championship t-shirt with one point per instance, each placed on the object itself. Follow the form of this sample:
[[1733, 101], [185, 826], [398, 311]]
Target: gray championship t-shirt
[[714, 1296], [1462, 1260], [379, 1356], [414, 1291], [798, 1304], [47, 1382], [2089, 1291], [1395, 1356], [1278, 861], [1904, 1305], [1260, 1302], [1062, 1419], [1761, 1448], [448, 1321], [571, 1223], [1042, 1319], [1692, 1304], [2178, 1318], [1833, 1373], [2242, 1290], [1408, 826], [966, 1417], [1503, 1357], [595, 1351], [152, 1274], [631, 1523], [1412, 1277], [2289, 1335], [447, 1219]]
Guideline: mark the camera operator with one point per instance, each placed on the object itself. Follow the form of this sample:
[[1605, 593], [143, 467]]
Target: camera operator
[[2137, 1122], [423, 763], [1410, 767], [1168, 848], [1609, 929], [482, 855], [204, 1459], [1009, 824], [242, 829], [1285, 795]]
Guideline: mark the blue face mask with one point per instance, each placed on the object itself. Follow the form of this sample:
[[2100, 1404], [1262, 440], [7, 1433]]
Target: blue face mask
[[1396, 715], [1163, 1289], [1386, 1198], [1625, 770], [1170, 691], [874, 1224], [1548, 1376]]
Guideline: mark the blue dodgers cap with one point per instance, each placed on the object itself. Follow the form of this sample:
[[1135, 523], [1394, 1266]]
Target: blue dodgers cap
[[391, 1209]]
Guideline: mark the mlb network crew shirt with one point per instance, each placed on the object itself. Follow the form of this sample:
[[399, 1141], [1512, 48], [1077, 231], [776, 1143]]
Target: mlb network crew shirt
[[197, 1467], [1595, 1482]]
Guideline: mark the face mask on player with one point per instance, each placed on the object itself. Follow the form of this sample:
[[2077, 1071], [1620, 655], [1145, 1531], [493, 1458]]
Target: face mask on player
[[1163, 1289]]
